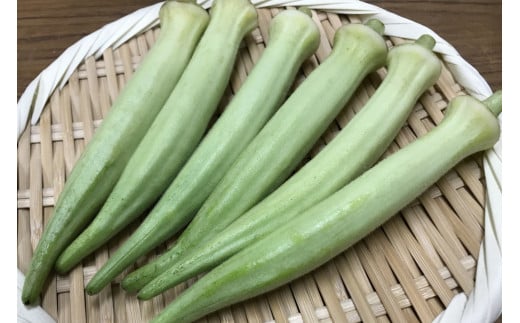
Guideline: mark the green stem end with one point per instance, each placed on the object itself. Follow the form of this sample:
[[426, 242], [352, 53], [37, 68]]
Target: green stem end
[[426, 41], [306, 11], [494, 102], [376, 25]]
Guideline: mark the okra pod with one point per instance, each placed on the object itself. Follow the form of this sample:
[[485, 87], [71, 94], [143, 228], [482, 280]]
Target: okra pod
[[283, 142], [337, 222], [104, 158], [176, 131], [412, 68], [293, 37]]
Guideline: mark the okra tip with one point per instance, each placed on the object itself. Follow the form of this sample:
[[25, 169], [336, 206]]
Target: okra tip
[[494, 102], [143, 296], [29, 300], [376, 25], [93, 287], [306, 11], [90, 290], [426, 41]]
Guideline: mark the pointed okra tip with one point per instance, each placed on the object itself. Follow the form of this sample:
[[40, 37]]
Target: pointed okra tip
[[494, 103], [29, 296], [376, 25]]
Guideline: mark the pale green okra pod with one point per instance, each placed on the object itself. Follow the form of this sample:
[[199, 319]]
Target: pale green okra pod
[[333, 225], [283, 142], [100, 165], [176, 131], [412, 68], [293, 37]]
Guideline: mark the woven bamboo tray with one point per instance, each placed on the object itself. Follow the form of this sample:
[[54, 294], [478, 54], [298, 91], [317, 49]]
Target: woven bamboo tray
[[409, 270]]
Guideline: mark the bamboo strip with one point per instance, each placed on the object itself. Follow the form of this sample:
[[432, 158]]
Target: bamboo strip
[[254, 313], [463, 233], [35, 205], [472, 182], [111, 75], [277, 308], [347, 266], [404, 277], [59, 172], [24, 246], [434, 278], [325, 47], [446, 84], [75, 98], [105, 296], [462, 206], [119, 305], [133, 311], [93, 87], [68, 139], [46, 147], [142, 45], [393, 230], [439, 219], [287, 300], [442, 247], [327, 277], [379, 282], [104, 98], [126, 57], [64, 315], [49, 301], [238, 313], [86, 112], [77, 296], [305, 306]]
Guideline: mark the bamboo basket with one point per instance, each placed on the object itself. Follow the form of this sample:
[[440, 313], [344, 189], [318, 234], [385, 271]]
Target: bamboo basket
[[409, 270]]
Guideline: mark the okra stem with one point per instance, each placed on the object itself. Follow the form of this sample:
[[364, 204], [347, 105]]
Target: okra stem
[[426, 41], [306, 11], [494, 102], [376, 25]]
